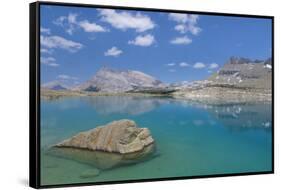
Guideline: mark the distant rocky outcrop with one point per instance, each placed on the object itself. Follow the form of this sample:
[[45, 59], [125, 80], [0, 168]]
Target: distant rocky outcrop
[[239, 80], [121, 136], [54, 85], [114, 81], [245, 73]]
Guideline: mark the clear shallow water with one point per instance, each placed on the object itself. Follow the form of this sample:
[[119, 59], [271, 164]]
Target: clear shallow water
[[191, 138]]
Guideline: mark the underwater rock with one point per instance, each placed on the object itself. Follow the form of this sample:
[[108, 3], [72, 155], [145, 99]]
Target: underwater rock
[[121, 136], [100, 159], [90, 173]]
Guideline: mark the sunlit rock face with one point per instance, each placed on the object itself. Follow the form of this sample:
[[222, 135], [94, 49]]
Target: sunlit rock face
[[121, 136], [114, 81]]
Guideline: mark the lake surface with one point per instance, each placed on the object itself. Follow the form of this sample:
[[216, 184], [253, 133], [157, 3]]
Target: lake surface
[[191, 138]]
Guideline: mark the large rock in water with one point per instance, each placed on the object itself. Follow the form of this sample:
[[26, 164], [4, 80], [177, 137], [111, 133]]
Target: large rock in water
[[115, 144], [121, 136]]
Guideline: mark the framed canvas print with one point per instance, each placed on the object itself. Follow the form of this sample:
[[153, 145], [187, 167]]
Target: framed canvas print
[[122, 94]]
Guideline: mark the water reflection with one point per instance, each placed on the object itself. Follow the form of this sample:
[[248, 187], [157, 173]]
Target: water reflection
[[233, 116], [243, 116], [132, 105]]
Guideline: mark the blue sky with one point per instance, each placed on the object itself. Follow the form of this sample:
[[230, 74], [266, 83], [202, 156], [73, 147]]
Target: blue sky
[[76, 42]]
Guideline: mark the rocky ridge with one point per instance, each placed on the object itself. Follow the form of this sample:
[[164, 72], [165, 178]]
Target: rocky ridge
[[114, 81], [240, 79]]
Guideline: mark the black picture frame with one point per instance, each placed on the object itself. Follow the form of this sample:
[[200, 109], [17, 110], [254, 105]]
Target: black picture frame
[[34, 93]]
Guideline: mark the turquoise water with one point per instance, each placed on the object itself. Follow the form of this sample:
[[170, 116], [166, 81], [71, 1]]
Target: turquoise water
[[191, 138]]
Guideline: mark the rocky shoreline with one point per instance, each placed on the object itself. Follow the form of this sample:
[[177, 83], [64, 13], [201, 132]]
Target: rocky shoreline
[[206, 94], [47, 94], [218, 94]]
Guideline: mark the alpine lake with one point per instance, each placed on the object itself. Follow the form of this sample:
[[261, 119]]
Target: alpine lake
[[191, 138]]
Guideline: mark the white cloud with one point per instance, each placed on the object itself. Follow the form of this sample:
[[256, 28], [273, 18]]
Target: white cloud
[[72, 18], [181, 28], [49, 61], [183, 64], [114, 51], [67, 22], [171, 64], [60, 42], [184, 28], [125, 20], [60, 20], [45, 30], [178, 17], [143, 40], [70, 24], [91, 27], [199, 65], [194, 29], [66, 77], [213, 66], [181, 40], [186, 23], [44, 50]]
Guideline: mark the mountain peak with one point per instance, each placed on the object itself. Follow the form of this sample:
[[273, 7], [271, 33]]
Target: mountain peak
[[112, 80], [54, 85], [107, 69], [239, 60], [243, 60]]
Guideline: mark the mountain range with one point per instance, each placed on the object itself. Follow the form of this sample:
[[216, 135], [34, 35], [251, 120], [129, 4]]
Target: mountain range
[[237, 72]]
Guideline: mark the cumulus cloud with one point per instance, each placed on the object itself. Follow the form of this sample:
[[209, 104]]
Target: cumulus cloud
[[181, 40], [66, 77], [67, 22], [143, 40], [171, 64], [70, 23], [114, 51], [49, 61], [213, 66], [186, 23], [199, 65], [46, 51], [183, 64], [178, 17], [91, 27], [181, 28], [59, 42], [45, 30], [125, 20]]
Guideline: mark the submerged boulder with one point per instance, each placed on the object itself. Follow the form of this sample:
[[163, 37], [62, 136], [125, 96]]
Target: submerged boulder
[[90, 173], [121, 136]]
